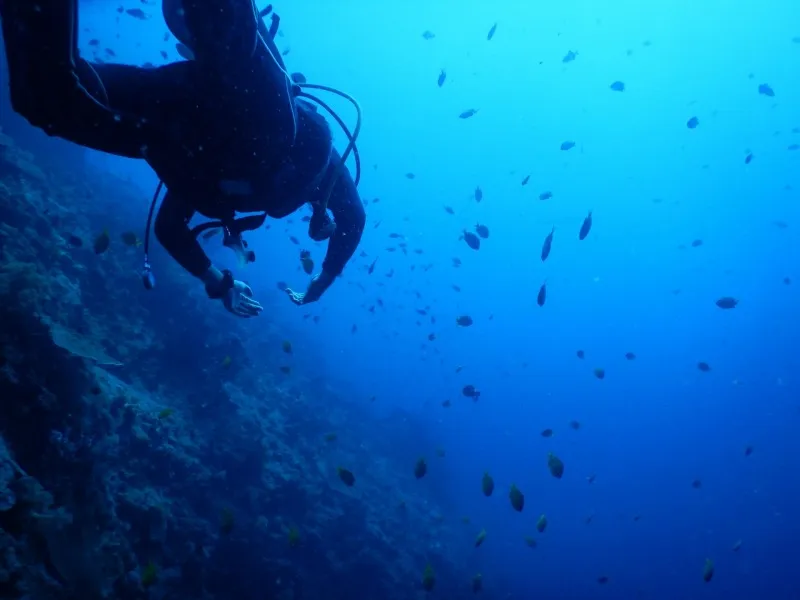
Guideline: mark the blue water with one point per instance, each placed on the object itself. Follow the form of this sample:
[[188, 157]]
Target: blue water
[[637, 284]]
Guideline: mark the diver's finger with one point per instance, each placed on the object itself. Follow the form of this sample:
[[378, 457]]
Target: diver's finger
[[244, 311], [239, 313], [251, 303]]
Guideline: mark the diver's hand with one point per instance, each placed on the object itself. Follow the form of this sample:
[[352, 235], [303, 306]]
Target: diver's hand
[[319, 283], [239, 301], [236, 296]]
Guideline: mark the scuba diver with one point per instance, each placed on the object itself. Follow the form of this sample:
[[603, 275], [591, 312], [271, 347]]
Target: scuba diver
[[228, 131]]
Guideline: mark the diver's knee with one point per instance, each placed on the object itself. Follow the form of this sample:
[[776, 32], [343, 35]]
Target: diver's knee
[[43, 106], [30, 104]]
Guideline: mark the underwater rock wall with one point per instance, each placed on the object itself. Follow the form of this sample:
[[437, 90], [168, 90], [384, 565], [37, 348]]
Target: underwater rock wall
[[126, 472]]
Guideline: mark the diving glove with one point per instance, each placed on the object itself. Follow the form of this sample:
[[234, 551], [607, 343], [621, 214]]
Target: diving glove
[[236, 296]]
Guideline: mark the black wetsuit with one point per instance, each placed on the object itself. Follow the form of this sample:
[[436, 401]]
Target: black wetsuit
[[223, 132]]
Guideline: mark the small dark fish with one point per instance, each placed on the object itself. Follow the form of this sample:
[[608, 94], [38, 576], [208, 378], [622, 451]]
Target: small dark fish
[[464, 321], [547, 245], [478, 194], [420, 468], [449, 210], [793, 147], [428, 35], [482, 231], [693, 123], [599, 373], [580, 354], [129, 238], [708, 570], [110, 52], [766, 90], [456, 262], [555, 465], [455, 287], [346, 476], [617, 86], [630, 356], [697, 243], [470, 391], [299, 78], [526, 179], [102, 242], [517, 498], [568, 145], [491, 33], [282, 286], [410, 176], [547, 433], [442, 77], [542, 295], [306, 262], [184, 51], [468, 113], [163, 54], [603, 579], [74, 241], [575, 425], [586, 227], [286, 52], [569, 57], [472, 240], [748, 450], [94, 42], [371, 269], [697, 484], [727, 302], [703, 366], [148, 65], [748, 158], [138, 13], [545, 195]]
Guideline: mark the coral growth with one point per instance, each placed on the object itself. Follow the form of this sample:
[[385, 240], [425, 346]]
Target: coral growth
[[127, 471]]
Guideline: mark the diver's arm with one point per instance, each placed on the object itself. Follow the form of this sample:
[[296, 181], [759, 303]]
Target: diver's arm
[[221, 30], [172, 231], [348, 212], [53, 88]]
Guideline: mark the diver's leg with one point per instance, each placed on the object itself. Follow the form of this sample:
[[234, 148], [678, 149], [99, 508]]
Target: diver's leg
[[52, 87], [157, 95]]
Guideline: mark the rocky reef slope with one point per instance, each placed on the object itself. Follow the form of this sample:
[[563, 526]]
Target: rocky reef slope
[[136, 464]]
